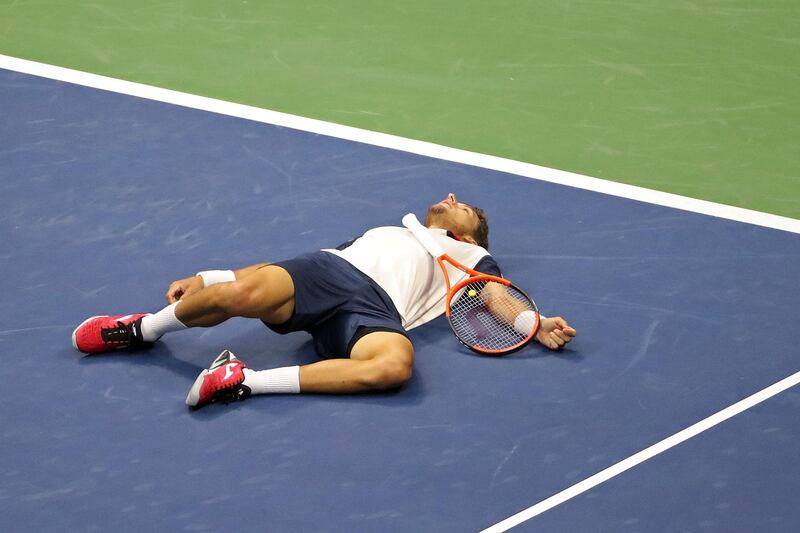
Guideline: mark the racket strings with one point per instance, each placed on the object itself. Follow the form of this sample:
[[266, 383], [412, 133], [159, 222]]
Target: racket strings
[[483, 315]]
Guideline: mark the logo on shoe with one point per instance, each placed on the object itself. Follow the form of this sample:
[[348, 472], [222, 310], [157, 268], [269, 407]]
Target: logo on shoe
[[229, 370]]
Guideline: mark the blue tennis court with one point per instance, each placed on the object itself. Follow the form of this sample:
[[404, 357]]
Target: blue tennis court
[[107, 198]]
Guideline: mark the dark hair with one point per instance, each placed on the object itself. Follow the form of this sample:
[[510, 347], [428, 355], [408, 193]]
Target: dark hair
[[481, 234]]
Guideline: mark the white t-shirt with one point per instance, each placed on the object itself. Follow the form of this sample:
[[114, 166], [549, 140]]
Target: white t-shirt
[[399, 264]]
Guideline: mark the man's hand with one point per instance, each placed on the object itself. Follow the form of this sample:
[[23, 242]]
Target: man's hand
[[183, 287], [554, 332]]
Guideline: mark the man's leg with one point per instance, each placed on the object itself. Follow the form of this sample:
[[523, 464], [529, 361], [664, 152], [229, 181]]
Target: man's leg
[[266, 293], [378, 361]]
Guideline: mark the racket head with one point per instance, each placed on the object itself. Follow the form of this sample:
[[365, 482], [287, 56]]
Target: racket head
[[481, 311]]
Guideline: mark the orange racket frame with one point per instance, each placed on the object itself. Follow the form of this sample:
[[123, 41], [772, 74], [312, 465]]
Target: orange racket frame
[[421, 233]]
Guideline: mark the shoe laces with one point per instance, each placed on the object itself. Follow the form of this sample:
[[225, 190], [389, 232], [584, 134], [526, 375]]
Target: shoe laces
[[123, 333]]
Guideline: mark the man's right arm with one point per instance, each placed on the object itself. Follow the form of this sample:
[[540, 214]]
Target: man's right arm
[[246, 271], [186, 286]]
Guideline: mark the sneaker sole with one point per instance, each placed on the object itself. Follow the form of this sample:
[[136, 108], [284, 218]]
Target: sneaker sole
[[74, 341]]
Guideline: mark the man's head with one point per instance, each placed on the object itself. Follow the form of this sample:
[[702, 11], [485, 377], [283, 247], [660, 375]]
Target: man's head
[[466, 221]]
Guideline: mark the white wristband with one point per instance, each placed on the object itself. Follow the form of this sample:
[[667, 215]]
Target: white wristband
[[524, 322], [212, 277]]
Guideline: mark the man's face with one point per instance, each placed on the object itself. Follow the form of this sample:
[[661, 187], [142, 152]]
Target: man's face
[[453, 215]]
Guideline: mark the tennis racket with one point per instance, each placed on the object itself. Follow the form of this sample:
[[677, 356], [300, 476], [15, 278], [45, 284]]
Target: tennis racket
[[488, 314]]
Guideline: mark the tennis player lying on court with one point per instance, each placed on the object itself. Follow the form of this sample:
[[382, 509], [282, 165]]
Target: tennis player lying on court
[[357, 301]]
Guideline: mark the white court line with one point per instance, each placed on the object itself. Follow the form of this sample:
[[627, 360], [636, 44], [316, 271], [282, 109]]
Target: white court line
[[470, 158], [644, 455], [400, 143]]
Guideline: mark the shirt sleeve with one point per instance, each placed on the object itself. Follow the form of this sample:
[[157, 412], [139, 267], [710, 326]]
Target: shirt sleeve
[[488, 265]]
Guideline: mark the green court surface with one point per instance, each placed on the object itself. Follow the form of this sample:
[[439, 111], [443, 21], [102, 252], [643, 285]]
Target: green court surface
[[696, 98]]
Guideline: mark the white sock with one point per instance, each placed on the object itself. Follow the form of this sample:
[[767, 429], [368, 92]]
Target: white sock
[[153, 326], [285, 380]]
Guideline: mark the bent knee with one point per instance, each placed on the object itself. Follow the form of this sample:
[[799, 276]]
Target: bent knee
[[390, 370]]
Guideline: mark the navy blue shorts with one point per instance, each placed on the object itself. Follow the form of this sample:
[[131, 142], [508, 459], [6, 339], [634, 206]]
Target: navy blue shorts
[[336, 303]]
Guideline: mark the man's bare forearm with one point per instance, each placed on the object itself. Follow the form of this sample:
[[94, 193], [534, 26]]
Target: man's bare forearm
[[501, 304]]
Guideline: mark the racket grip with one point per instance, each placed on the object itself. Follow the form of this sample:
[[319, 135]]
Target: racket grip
[[525, 322], [422, 235]]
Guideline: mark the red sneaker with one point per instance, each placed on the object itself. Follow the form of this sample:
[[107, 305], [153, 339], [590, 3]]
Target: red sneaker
[[222, 382], [105, 333]]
